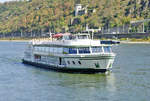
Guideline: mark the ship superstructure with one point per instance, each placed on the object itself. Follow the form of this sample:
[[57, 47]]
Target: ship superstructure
[[70, 53]]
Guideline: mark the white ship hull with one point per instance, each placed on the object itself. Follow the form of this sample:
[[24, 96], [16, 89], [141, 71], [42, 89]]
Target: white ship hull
[[82, 64]]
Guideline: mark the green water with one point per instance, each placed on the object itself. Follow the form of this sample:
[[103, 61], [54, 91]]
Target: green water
[[128, 81]]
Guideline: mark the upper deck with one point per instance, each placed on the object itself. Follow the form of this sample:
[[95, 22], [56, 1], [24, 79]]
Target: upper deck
[[77, 44], [68, 40]]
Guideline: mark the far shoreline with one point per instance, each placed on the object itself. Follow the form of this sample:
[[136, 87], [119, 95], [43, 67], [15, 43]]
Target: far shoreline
[[136, 41], [7, 40]]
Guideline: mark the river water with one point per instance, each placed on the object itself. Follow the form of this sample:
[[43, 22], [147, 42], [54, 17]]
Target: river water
[[128, 81]]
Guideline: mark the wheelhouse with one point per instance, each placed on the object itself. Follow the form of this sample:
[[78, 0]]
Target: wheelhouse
[[68, 36]]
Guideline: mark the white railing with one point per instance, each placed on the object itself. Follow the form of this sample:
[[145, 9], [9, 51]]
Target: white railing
[[41, 41]]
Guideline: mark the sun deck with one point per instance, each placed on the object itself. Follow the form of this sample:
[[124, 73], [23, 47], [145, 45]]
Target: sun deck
[[79, 40]]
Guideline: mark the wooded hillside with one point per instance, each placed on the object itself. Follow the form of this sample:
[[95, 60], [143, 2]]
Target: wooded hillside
[[58, 15]]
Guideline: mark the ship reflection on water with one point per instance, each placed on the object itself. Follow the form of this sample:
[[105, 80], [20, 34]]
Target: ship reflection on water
[[88, 87]]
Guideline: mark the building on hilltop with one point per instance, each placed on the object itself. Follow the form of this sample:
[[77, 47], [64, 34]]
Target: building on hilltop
[[92, 30], [79, 10]]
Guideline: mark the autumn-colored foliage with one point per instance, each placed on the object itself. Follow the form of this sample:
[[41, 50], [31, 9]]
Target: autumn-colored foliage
[[57, 15]]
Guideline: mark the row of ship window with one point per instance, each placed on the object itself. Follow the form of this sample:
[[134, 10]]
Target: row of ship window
[[73, 62], [83, 50]]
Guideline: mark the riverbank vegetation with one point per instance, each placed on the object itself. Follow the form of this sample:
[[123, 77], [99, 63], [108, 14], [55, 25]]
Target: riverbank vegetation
[[122, 40], [135, 40]]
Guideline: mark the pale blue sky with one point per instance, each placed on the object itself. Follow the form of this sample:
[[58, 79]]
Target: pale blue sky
[[5, 0]]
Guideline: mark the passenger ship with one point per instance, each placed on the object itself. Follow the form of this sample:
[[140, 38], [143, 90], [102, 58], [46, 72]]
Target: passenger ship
[[70, 53]]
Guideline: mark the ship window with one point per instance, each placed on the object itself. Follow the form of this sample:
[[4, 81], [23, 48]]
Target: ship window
[[82, 37], [46, 49], [65, 50], [72, 50], [51, 49], [96, 49], [107, 49], [68, 62], [79, 62], [84, 50], [72, 37], [35, 48], [54, 50], [38, 48], [59, 50], [37, 57], [73, 62]]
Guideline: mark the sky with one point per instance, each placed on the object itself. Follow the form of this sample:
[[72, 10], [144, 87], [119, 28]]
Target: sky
[[5, 0]]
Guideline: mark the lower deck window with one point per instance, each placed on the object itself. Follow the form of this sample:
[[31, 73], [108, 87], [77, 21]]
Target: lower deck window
[[84, 50], [72, 50], [37, 57], [69, 50], [96, 49], [107, 49], [65, 50]]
